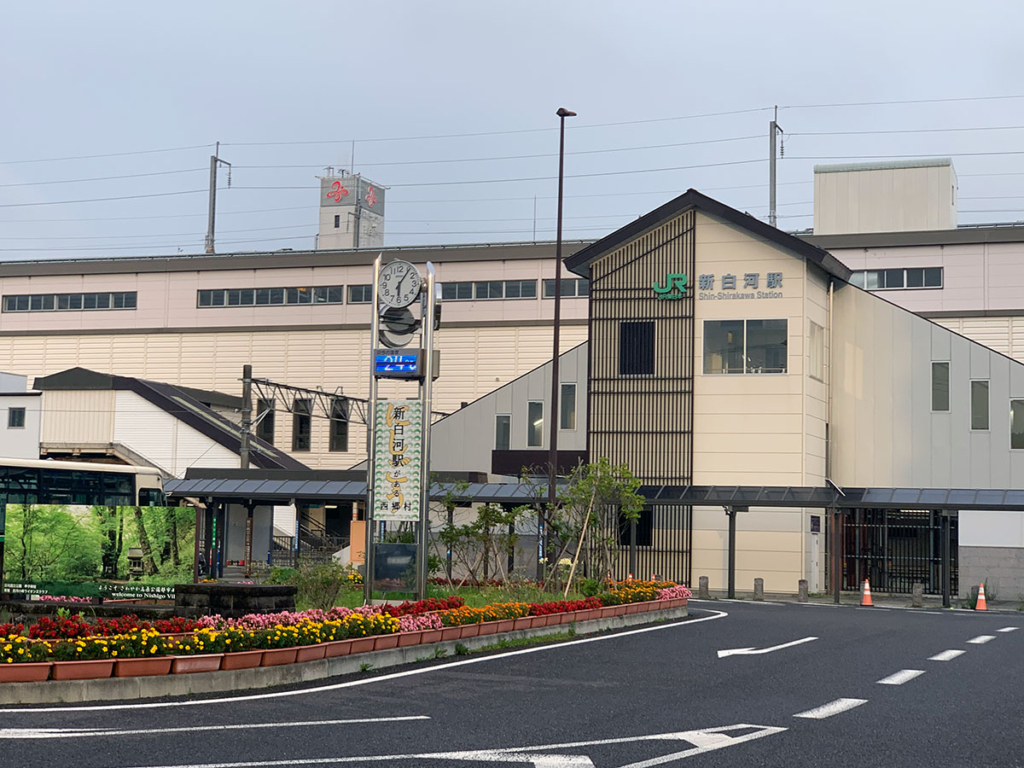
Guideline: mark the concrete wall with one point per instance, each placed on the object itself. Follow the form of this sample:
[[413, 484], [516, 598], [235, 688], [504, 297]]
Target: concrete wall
[[20, 442], [262, 526]]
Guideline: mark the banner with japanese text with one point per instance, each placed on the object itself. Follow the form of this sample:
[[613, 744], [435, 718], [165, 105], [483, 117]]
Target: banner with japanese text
[[398, 460]]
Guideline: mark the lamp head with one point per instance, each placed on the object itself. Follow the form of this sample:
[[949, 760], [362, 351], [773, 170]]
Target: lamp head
[[563, 112]]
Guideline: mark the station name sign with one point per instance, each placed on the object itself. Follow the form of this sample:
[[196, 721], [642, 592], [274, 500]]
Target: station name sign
[[753, 287]]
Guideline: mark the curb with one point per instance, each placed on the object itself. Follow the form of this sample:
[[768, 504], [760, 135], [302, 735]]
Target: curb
[[129, 688]]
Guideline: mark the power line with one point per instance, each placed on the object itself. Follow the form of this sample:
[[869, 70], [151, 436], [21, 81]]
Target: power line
[[898, 157], [109, 154], [907, 130], [104, 199], [901, 101], [101, 178], [162, 216], [168, 245]]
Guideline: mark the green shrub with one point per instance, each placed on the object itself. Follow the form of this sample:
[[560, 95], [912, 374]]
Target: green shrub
[[319, 585], [589, 587]]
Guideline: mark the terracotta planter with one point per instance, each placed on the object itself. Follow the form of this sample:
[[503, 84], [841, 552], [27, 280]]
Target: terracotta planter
[[488, 628], [632, 608], [203, 662], [470, 630], [524, 623], [143, 667], [310, 653], [552, 619], [27, 672], [82, 670], [620, 610], [278, 656], [506, 625], [384, 642], [241, 660], [337, 648], [592, 614], [451, 633], [362, 644], [431, 636], [645, 607], [410, 638]]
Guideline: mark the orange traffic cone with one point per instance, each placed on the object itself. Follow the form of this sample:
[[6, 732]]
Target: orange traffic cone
[[865, 599], [981, 605]]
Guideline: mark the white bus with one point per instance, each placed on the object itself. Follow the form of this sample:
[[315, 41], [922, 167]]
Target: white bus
[[44, 481]]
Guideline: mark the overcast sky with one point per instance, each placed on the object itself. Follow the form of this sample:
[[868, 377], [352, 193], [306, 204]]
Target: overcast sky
[[291, 84]]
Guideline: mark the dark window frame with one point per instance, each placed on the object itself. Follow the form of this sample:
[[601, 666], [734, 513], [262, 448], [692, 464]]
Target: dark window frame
[[92, 301], [531, 427], [302, 425], [940, 398], [265, 426], [16, 417], [980, 420], [498, 432], [636, 350], [339, 426]]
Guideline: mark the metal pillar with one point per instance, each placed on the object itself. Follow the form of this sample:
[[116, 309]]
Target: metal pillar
[[773, 131], [371, 419], [837, 557], [426, 394], [946, 561], [731, 514], [632, 546], [246, 417], [212, 211]]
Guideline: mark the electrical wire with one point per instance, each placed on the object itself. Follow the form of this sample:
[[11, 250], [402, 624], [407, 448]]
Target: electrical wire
[[901, 157], [901, 101], [104, 199], [907, 130], [108, 154], [101, 178]]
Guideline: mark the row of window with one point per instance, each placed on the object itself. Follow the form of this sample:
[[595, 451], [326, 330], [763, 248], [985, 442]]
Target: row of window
[[980, 410], [302, 424], [260, 297], [60, 302], [888, 279], [535, 420], [511, 289]]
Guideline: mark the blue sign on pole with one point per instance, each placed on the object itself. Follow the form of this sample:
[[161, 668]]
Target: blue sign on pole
[[397, 365]]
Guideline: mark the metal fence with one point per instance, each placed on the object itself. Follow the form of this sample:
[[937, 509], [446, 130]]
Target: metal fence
[[664, 543]]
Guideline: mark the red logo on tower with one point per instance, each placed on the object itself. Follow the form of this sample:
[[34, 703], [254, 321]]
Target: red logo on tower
[[337, 190], [371, 197]]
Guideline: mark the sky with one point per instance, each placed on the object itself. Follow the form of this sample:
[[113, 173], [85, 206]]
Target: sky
[[669, 95]]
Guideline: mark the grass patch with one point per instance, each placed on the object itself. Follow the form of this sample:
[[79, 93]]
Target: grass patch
[[519, 642], [475, 597]]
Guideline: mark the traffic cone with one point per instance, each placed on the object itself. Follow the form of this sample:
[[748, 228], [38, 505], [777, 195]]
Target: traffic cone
[[865, 599], [981, 605]]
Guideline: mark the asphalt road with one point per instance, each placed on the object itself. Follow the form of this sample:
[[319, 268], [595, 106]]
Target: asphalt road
[[639, 698]]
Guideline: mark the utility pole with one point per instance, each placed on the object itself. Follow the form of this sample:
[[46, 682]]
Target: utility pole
[[773, 131], [211, 215], [246, 416]]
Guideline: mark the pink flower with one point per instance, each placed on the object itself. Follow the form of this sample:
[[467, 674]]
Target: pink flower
[[674, 593]]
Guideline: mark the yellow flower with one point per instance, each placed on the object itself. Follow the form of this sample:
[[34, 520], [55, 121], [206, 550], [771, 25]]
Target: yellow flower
[[113, 653], [153, 649]]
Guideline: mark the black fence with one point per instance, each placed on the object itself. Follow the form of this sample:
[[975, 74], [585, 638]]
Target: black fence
[[664, 543]]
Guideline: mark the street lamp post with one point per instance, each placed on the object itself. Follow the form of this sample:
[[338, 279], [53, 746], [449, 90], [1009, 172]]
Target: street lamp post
[[553, 447]]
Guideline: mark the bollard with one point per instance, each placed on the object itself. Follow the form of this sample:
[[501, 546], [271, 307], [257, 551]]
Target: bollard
[[918, 600], [702, 591], [801, 596], [759, 589]]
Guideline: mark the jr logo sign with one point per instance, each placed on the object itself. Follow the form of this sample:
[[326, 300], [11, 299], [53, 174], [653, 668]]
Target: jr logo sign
[[674, 287]]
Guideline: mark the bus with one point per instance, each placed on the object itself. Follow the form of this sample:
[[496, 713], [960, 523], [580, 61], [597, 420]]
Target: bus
[[45, 481]]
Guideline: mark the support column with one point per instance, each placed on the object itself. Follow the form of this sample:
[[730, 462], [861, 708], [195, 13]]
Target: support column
[[946, 564], [731, 514], [837, 557], [632, 546], [248, 539]]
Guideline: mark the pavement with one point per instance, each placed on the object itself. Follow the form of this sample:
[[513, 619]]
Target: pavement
[[797, 685]]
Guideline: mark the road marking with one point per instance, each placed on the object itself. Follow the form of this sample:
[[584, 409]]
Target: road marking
[[901, 677], [371, 680], [946, 655], [81, 733], [759, 651], [703, 740], [832, 708], [981, 639], [1008, 629]]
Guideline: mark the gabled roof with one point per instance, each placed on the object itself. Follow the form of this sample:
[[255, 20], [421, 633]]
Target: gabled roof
[[580, 261], [183, 403]]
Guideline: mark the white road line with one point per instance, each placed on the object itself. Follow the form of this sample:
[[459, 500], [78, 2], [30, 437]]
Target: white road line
[[947, 655], [760, 651], [1008, 629], [981, 639], [832, 708], [371, 680], [901, 677]]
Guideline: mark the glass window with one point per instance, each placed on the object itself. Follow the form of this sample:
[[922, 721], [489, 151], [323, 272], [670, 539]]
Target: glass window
[[816, 352], [723, 346], [636, 348], [298, 295], [512, 289], [16, 418], [857, 279], [75, 299], [262, 296], [339, 426], [35, 303], [979, 405], [457, 291], [528, 289], [583, 287], [302, 425], [10, 303], [360, 294], [337, 221], [234, 298], [265, 425], [940, 386], [64, 301], [568, 288], [873, 280], [893, 278], [767, 346], [535, 424], [915, 277], [89, 301], [567, 407], [933, 277], [502, 432], [1017, 423], [277, 295]]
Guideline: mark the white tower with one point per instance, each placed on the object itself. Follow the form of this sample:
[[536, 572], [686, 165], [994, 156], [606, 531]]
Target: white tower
[[351, 212]]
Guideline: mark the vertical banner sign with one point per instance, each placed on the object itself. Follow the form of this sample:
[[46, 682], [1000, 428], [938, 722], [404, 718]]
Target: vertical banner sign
[[398, 460]]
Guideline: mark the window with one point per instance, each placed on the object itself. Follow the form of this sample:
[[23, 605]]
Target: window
[[302, 425], [816, 352], [329, 295], [249, 297], [1017, 423], [567, 407], [746, 346], [979, 405], [339, 426], [265, 425], [489, 289], [570, 287], [64, 302], [940, 386], [16, 418], [337, 222], [502, 432], [636, 349], [535, 424], [360, 294], [520, 289], [887, 279]]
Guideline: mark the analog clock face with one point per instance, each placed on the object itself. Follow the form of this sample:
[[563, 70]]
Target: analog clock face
[[399, 284]]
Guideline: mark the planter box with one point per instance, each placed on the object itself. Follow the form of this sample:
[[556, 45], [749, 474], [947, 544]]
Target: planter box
[[278, 656], [384, 642], [553, 619], [506, 625], [567, 618], [632, 608], [524, 623], [488, 628], [620, 610], [310, 653], [26, 672], [337, 648], [362, 644], [451, 633], [203, 662], [470, 630], [82, 670], [242, 660], [143, 667], [645, 607], [431, 636], [410, 638]]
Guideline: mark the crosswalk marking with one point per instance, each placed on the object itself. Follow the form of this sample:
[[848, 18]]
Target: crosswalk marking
[[832, 708], [946, 655], [901, 677]]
